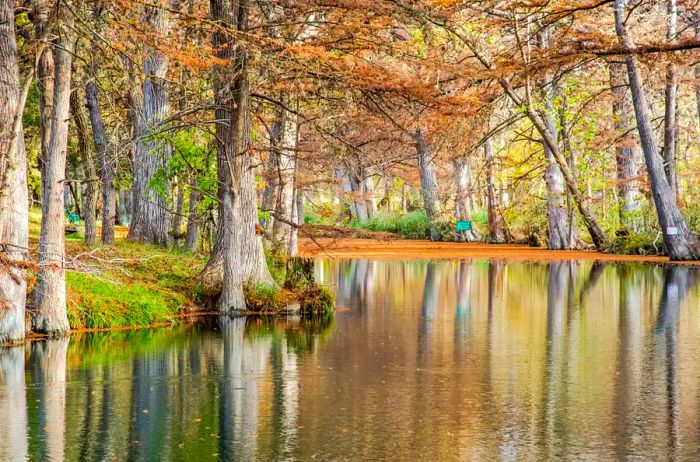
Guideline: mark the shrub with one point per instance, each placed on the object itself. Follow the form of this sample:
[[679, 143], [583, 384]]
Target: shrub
[[264, 297], [636, 244]]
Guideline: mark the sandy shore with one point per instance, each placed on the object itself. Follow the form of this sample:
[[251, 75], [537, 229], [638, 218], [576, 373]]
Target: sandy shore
[[404, 249]]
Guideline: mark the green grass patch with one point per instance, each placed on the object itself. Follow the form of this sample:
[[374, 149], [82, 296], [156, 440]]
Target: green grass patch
[[97, 303], [131, 284], [413, 225]]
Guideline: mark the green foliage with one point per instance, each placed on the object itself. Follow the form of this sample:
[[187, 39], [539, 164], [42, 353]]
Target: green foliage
[[299, 273], [321, 214], [413, 225], [481, 217], [317, 300], [276, 263], [636, 244], [98, 303], [264, 297]]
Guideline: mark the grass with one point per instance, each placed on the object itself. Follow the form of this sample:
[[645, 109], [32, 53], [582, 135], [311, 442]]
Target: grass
[[131, 284], [128, 284], [413, 225]]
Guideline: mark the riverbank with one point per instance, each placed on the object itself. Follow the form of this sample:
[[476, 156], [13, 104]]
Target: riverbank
[[131, 285], [392, 248]]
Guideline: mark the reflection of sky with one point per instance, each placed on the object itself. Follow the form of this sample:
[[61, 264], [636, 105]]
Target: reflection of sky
[[433, 360]]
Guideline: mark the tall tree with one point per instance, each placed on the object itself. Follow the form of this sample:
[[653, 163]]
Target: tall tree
[[463, 186], [497, 234], [241, 250], [107, 166], [89, 171], [671, 100], [680, 242], [428, 184], [286, 172], [151, 218], [14, 206], [50, 292], [626, 150]]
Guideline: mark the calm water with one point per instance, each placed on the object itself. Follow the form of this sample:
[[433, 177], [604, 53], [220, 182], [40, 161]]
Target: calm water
[[470, 360]]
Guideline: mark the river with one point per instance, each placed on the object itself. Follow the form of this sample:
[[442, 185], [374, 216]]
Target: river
[[423, 360]]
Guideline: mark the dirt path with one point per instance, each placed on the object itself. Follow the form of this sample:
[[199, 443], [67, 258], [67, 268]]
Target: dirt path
[[393, 248]]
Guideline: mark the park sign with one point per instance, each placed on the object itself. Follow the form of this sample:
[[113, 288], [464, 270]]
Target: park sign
[[463, 225]]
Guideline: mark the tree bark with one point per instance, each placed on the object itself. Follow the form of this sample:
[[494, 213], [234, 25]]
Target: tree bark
[[271, 191], [463, 187], [50, 315], [497, 234], [428, 184], [287, 167], [565, 136], [107, 166], [14, 202], [671, 99], [43, 24], [557, 219], [297, 218], [627, 151], [89, 170], [370, 197], [242, 255], [679, 241], [151, 220]]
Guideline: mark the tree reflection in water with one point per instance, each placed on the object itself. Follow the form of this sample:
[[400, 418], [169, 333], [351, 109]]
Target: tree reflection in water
[[431, 360]]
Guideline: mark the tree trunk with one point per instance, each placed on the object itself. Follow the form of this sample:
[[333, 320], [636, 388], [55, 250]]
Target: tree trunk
[[565, 136], [557, 220], [370, 197], [50, 292], [463, 186], [106, 164], [293, 248], [627, 151], [428, 184], [671, 99], [242, 255], [151, 220], [271, 191], [497, 234], [90, 173], [43, 24], [287, 166], [14, 206], [192, 220], [679, 241]]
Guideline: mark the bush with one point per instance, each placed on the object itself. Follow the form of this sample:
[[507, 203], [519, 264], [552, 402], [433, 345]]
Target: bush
[[636, 244], [264, 297]]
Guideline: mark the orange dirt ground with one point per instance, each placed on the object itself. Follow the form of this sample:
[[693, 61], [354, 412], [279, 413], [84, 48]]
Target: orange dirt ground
[[405, 249]]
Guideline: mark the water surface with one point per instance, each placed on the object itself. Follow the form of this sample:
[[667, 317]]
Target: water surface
[[441, 360]]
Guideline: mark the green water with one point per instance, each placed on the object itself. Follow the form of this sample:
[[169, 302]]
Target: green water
[[453, 360]]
